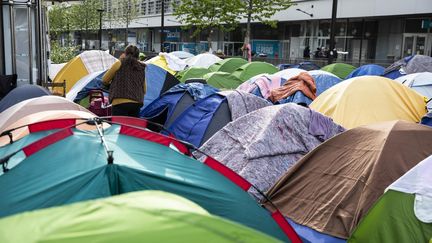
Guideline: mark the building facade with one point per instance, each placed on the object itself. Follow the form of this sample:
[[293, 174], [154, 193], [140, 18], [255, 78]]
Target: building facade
[[378, 31]]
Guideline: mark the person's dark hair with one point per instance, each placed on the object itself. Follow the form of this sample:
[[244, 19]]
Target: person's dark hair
[[131, 57]]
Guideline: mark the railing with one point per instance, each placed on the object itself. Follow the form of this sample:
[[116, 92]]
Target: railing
[[324, 61]]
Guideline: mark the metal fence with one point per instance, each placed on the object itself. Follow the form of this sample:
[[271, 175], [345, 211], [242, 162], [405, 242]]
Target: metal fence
[[324, 61]]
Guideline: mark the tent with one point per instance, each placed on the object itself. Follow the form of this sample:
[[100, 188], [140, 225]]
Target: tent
[[157, 79], [125, 157], [251, 69], [168, 62], [207, 116], [403, 213], [182, 54], [289, 73], [22, 93], [150, 216], [427, 119], [21, 124], [332, 187], [81, 65], [369, 99], [262, 145], [409, 65], [307, 66], [193, 72], [319, 72], [83, 86], [369, 69], [222, 80], [420, 82], [30, 106], [204, 60], [261, 85], [165, 109], [228, 65], [339, 69]]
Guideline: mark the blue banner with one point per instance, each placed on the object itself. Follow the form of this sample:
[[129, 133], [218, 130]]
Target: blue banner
[[269, 48]]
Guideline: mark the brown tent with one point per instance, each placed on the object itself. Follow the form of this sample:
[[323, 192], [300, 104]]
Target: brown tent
[[333, 186]]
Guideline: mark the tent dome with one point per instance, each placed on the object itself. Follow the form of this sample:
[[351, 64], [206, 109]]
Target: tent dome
[[22, 93], [222, 80], [204, 60], [369, 99], [252, 69], [228, 65], [192, 72], [409, 65], [369, 69], [339, 69]]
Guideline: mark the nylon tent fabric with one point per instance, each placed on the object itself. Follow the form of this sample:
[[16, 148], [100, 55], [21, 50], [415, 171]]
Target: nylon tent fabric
[[150, 216], [204, 60], [82, 65], [427, 119], [339, 69], [420, 82], [137, 165], [168, 62], [193, 72], [228, 65], [289, 73], [222, 80], [72, 95], [165, 109], [207, 116], [307, 66], [40, 117], [22, 93], [252, 69], [332, 187], [369, 69], [30, 106], [369, 99], [404, 211], [321, 72], [262, 145], [409, 65], [182, 54]]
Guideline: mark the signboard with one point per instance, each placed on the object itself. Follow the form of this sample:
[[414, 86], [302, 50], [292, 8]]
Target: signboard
[[426, 24], [270, 48]]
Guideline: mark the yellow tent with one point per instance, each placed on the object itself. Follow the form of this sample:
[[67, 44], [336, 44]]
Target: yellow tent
[[169, 62], [82, 65], [370, 99]]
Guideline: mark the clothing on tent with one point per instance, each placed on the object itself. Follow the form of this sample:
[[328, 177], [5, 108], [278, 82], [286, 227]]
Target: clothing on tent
[[302, 82], [265, 84], [262, 145], [332, 187], [173, 62]]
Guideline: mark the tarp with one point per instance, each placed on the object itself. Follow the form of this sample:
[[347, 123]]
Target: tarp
[[262, 145], [332, 187], [30, 106], [222, 80], [192, 72], [168, 62], [252, 69], [142, 160], [404, 212], [207, 116], [420, 82], [150, 216], [228, 65], [369, 69], [369, 99], [409, 65], [339, 69], [204, 60], [182, 54], [21, 93], [307, 66], [81, 65]]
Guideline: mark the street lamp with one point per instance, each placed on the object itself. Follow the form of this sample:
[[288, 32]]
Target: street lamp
[[100, 27], [332, 31], [162, 25]]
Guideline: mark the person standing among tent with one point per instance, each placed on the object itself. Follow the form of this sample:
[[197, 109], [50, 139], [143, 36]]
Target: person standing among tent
[[306, 52], [126, 79]]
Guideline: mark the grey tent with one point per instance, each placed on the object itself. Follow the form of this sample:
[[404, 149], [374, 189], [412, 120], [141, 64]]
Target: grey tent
[[262, 145]]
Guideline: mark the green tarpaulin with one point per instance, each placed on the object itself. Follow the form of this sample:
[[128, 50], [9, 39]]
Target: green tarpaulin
[[148, 216]]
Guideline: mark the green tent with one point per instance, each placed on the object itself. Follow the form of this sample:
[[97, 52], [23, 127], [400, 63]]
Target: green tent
[[222, 80], [192, 72], [403, 213], [252, 69], [146, 216], [71, 165], [228, 65], [339, 69]]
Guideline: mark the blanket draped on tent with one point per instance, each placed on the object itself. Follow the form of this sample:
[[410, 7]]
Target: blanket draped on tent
[[303, 82]]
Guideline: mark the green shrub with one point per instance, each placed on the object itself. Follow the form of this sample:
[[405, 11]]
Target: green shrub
[[62, 54]]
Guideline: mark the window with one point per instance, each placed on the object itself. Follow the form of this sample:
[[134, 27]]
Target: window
[[143, 9], [151, 8]]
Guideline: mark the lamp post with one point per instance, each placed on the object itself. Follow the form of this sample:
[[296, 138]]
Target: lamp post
[[332, 31], [162, 35], [100, 27]]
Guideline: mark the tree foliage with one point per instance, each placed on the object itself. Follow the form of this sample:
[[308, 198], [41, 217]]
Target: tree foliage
[[208, 14], [263, 10]]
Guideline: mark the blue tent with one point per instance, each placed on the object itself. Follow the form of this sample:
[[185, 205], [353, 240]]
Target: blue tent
[[158, 81], [201, 120], [427, 119], [369, 69], [310, 235], [409, 65], [22, 93], [165, 109], [303, 65], [322, 81]]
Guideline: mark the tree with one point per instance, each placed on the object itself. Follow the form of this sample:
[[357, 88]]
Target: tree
[[125, 11], [85, 16], [208, 15], [59, 20], [260, 11]]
